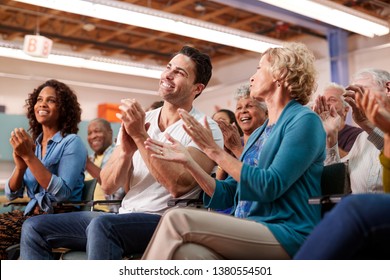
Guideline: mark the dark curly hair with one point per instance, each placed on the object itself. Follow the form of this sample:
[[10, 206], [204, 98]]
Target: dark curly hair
[[68, 107]]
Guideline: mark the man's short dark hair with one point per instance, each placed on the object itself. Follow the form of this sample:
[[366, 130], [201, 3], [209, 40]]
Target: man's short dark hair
[[202, 62], [106, 124]]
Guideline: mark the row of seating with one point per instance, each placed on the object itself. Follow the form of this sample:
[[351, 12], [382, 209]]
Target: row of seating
[[335, 185]]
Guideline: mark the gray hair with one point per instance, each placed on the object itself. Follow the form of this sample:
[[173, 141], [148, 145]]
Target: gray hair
[[104, 122], [340, 88], [379, 76], [244, 91]]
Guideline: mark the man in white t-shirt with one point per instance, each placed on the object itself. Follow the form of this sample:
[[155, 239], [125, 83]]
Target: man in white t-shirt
[[148, 182]]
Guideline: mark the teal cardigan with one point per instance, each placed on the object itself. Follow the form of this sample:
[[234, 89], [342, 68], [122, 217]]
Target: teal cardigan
[[289, 172]]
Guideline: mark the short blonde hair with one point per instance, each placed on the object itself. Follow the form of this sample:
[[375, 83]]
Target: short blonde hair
[[293, 66]]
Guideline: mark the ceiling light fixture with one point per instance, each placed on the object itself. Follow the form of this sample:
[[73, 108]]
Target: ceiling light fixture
[[335, 14], [199, 7], [89, 27], [91, 62], [130, 14]]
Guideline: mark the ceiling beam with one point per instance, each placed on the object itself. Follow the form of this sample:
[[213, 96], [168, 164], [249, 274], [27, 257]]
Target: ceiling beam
[[267, 10]]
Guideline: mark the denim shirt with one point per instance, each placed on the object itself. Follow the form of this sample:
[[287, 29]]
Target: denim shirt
[[65, 158]]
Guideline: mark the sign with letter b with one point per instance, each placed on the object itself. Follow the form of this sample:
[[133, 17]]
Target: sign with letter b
[[36, 45]]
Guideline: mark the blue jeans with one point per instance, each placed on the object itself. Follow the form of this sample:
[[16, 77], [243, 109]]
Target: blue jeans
[[356, 228], [103, 235]]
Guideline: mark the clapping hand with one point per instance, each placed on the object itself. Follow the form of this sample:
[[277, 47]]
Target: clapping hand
[[231, 137], [174, 152], [133, 117], [127, 143], [377, 109], [22, 143], [23, 147], [328, 114], [202, 136], [358, 115]]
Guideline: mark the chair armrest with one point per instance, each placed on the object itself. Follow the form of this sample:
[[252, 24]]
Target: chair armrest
[[193, 202], [85, 203], [326, 199], [71, 203], [13, 252], [106, 202], [16, 203], [20, 201]]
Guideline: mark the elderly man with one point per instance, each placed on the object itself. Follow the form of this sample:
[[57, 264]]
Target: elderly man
[[333, 95], [363, 159], [100, 141]]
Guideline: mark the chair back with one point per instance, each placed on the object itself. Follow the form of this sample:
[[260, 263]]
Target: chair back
[[334, 182], [335, 179], [89, 189], [87, 195]]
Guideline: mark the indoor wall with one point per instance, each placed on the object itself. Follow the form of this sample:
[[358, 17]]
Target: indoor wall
[[18, 78]]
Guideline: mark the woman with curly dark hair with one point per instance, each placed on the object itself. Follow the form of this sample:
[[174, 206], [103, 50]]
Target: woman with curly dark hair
[[50, 163]]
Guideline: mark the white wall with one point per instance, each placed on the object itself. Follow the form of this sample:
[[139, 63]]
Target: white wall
[[18, 79], [369, 53], [6, 168], [363, 53]]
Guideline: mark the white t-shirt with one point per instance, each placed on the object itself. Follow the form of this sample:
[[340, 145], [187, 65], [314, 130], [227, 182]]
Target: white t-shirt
[[365, 170], [146, 195]]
